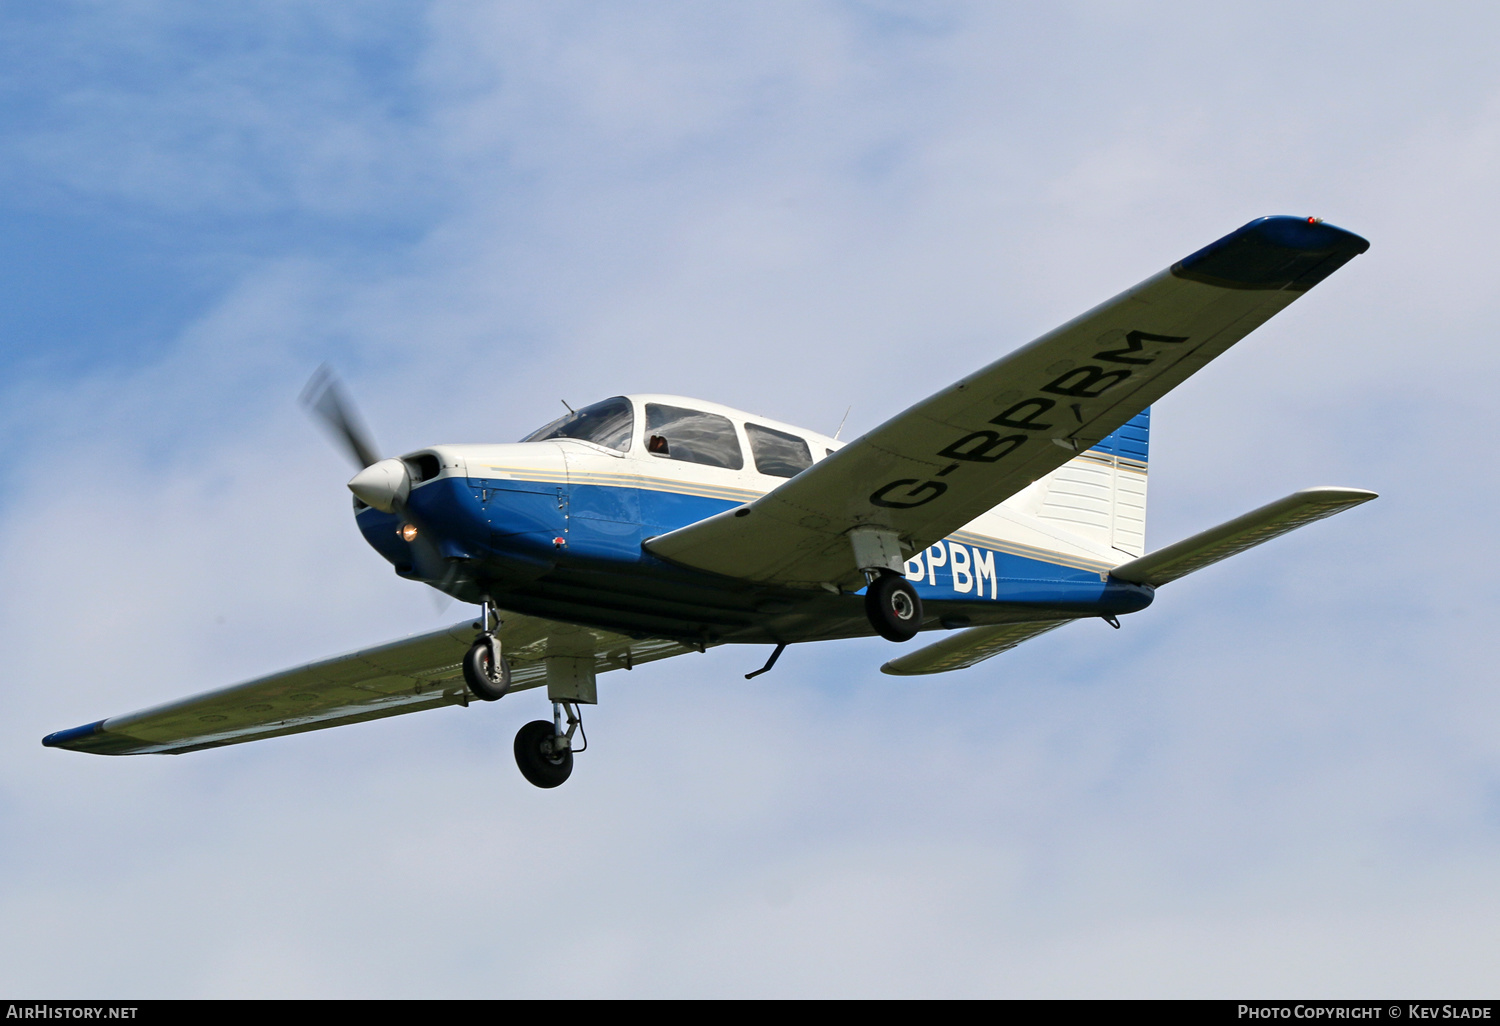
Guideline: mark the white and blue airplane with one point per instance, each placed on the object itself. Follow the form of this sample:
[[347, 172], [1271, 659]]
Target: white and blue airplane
[[647, 526]]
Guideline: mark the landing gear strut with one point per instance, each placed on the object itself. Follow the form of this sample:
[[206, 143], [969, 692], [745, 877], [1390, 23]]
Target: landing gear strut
[[485, 669], [893, 606], [544, 750]]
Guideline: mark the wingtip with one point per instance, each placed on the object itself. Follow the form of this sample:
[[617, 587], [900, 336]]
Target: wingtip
[[1277, 252], [94, 739], [73, 736], [1350, 496]]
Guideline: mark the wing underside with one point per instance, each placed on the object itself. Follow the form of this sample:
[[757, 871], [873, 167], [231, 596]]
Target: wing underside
[[416, 673], [934, 468]]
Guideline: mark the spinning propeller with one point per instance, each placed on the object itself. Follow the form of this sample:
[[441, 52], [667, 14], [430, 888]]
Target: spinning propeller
[[382, 483]]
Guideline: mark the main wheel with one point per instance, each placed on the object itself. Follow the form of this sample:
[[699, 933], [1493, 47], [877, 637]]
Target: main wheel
[[894, 608], [534, 756], [486, 680]]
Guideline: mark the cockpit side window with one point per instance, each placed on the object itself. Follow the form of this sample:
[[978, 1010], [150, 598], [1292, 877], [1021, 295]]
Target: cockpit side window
[[675, 433], [607, 423], [778, 454]]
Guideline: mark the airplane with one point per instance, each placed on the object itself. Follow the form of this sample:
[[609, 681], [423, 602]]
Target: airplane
[[642, 527]]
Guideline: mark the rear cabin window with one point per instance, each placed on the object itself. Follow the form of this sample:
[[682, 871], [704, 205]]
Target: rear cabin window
[[778, 454], [607, 424], [675, 433]]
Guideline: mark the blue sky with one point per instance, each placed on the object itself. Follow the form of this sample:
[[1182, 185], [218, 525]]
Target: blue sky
[[1282, 778]]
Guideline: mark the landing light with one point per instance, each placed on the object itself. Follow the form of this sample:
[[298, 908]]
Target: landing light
[[408, 532]]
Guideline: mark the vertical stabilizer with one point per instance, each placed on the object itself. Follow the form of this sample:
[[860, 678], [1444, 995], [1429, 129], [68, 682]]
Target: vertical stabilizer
[[1100, 495]]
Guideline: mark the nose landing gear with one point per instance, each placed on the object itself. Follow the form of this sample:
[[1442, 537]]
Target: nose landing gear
[[544, 750], [485, 669]]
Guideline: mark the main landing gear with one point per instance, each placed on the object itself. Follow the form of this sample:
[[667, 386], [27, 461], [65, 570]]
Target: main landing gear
[[893, 606], [544, 751]]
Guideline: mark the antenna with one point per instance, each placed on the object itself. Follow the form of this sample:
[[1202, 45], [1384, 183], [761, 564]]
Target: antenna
[[567, 407], [841, 423]]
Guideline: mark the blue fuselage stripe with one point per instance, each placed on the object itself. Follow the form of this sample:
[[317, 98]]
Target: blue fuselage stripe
[[538, 531]]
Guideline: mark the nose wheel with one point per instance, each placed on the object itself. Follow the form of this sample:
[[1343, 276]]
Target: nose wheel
[[544, 750], [485, 669]]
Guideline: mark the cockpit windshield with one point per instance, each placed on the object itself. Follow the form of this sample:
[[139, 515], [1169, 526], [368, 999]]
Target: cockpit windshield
[[606, 423]]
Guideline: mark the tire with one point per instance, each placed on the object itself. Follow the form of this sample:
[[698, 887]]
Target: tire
[[537, 767], [477, 673], [894, 608]]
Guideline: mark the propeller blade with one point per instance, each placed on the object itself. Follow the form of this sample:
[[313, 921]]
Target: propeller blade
[[325, 399], [441, 599]]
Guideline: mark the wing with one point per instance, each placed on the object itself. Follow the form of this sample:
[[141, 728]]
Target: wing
[[420, 672], [930, 470]]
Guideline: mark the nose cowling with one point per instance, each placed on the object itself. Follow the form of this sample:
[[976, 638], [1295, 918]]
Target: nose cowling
[[384, 484]]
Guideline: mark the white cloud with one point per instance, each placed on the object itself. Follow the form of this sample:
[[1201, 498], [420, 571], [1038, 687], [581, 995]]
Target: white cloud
[[1280, 779]]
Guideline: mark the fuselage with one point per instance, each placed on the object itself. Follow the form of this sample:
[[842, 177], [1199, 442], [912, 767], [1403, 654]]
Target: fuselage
[[554, 527]]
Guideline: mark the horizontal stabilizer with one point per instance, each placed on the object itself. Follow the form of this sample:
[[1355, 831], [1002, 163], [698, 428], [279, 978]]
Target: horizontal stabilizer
[[964, 649], [1237, 535]]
